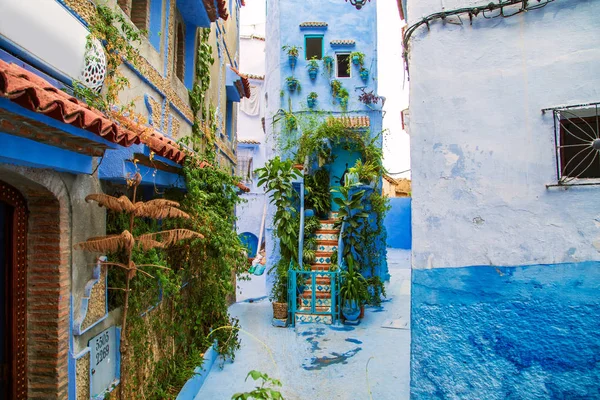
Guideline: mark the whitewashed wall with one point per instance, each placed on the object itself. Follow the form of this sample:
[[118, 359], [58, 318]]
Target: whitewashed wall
[[481, 150]]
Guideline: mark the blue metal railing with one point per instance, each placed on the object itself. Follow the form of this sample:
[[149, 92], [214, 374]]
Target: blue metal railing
[[296, 294]]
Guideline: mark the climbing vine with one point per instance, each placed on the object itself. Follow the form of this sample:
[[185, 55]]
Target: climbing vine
[[173, 314]]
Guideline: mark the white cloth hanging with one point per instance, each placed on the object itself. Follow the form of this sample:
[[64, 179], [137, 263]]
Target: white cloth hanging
[[251, 106]]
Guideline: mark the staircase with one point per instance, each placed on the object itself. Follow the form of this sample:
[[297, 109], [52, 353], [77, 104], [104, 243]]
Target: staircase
[[327, 244]]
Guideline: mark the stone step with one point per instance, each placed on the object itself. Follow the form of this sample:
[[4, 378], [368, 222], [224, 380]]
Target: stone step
[[319, 280], [320, 267], [318, 309], [313, 319]]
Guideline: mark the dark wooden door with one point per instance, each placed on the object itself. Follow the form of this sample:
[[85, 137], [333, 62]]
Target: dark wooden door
[[13, 310]]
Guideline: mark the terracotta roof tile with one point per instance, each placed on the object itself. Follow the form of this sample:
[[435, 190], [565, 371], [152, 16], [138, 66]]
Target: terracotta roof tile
[[36, 94], [256, 77], [245, 92], [313, 24], [354, 122]]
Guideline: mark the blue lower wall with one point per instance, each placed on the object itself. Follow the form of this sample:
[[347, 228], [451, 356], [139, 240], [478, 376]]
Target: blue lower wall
[[528, 332], [397, 223]]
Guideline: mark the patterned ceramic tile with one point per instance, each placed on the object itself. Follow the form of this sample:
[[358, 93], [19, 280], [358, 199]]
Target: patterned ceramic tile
[[327, 225], [313, 318], [327, 236], [333, 215], [322, 260], [326, 247], [319, 302], [319, 286]]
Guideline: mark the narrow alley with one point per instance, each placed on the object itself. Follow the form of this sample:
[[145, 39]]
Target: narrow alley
[[315, 361]]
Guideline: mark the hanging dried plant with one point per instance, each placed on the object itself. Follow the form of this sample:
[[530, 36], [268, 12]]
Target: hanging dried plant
[[159, 209], [108, 244], [156, 209], [166, 238], [121, 204]]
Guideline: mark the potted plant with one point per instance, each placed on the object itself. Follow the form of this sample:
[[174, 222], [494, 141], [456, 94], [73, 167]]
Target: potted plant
[[369, 98], [328, 64], [364, 74], [292, 52], [313, 68], [336, 85], [353, 293], [311, 100], [357, 58], [292, 84], [318, 193], [342, 96]]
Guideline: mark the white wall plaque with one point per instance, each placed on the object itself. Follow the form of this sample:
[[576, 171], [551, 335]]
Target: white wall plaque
[[103, 361]]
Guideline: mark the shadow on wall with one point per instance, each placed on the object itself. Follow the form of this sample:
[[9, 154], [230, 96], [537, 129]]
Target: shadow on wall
[[397, 223]]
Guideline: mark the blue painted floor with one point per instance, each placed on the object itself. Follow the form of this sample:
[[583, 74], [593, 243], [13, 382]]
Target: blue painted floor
[[325, 362]]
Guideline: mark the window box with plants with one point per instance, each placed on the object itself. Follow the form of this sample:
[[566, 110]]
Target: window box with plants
[[292, 52], [293, 83], [311, 100]]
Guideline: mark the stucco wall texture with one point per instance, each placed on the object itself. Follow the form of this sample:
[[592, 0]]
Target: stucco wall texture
[[505, 271]]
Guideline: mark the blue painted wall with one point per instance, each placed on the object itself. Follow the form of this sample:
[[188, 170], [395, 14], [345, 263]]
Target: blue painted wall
[[397, 223], [485, 332]]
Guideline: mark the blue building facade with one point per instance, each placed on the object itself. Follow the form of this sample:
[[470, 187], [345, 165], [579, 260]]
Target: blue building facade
[[330, 35], [505, 267]]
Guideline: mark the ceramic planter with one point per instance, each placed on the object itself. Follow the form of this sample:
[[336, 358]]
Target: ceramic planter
[[292, 85], [292, 60], [312, 73], [355, 60], [311, 102], [343, 101], [351, 312], [364, 74]]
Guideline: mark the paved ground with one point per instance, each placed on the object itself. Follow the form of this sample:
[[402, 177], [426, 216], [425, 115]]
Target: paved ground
[[325, 362]]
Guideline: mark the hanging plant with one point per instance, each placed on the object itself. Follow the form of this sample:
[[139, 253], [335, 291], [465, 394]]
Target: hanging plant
[[368, 98], [342, 97], [364, 74], [357, 58], [311, 100], [328, 64], [336, 85], [292, 52], [313, 68], [293, 84]]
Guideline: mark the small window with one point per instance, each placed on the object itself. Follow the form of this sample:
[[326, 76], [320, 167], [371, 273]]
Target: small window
[[137, 11], [314, 47], [244, 168], [180, 51], [578, 143], [342, 65]]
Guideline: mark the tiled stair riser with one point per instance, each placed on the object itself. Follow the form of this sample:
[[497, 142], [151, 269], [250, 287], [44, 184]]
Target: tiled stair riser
[[326, 247], [322, 260], [327, 226], [319, 288], [313, 319], [327, 236], [318, 303]]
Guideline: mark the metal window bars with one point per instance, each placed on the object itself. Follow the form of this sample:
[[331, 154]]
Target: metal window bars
[[577, 144]]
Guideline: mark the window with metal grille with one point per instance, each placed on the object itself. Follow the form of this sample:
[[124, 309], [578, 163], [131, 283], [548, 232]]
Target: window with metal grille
[[244, 168], [577, 138]]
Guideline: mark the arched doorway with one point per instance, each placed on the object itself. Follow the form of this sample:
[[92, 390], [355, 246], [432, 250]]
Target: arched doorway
[[13, 287]]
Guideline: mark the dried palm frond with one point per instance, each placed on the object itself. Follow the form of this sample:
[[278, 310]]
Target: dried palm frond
[[112, 203], [167, 238], [158, 209], [110, 243], [149, 244]]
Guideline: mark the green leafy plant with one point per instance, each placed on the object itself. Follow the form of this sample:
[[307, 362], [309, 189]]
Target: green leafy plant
[[354, 286], [328, 65], [336, 85], [357, 58], [262, 392], [376, 290], [277, 177], [313, 63], [293, 83], [313, 95], [351, 215], [366, 172], [318, 196], [293, 51]]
